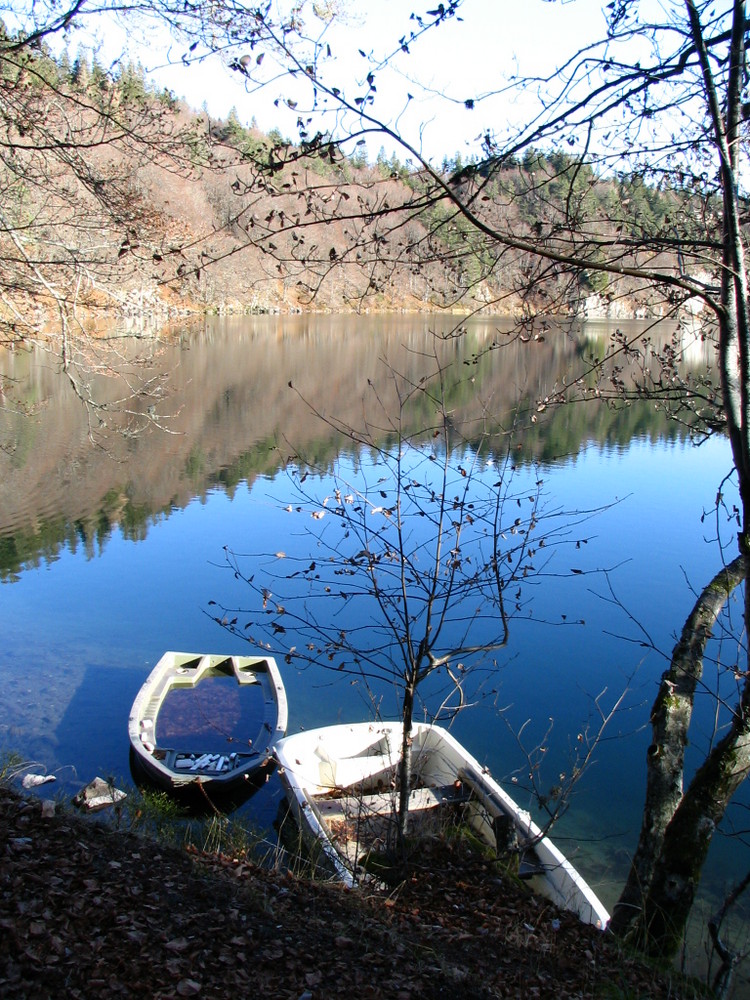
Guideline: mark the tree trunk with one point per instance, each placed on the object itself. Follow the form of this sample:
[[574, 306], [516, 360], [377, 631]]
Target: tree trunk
[[687, 839], [404, 771], [670, 721]]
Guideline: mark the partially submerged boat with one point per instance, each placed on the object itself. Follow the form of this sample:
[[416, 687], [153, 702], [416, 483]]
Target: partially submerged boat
[[341, 782], [208, 719]]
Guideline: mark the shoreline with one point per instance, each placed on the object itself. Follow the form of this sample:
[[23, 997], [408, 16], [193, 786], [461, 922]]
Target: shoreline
[[90, 912]]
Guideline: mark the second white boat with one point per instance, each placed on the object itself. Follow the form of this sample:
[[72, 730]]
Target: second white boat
[[340, 783]]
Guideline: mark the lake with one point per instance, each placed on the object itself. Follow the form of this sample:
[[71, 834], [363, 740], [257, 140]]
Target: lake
[[114, 523]]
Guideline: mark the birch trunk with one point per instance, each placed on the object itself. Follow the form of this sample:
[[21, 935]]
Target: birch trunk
[[670, 721], [404, 775], [687, 838]]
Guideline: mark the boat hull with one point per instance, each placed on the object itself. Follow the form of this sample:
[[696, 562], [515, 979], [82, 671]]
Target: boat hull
[[336, 776], [179, 759]]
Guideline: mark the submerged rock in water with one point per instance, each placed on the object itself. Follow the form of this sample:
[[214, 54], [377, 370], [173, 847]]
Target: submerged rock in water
[[98, 794]]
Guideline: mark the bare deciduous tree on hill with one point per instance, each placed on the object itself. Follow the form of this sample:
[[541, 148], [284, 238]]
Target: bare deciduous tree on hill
[[77, 236]]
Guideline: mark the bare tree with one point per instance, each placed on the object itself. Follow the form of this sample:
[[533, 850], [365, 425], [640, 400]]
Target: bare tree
[[414, 562]]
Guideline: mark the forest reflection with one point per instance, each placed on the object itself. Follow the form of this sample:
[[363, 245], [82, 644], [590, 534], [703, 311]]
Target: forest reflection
[[226, 412]]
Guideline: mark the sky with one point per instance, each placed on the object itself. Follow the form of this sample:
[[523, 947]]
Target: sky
[[463, 58]]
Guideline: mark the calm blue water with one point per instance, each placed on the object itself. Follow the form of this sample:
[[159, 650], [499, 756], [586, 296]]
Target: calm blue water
[[81, 632], [82, 629]]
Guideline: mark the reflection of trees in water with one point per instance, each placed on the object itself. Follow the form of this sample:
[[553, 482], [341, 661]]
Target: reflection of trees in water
[[231, 415]]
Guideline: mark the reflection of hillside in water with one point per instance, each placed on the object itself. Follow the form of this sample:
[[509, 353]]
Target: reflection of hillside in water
[[230, 415]]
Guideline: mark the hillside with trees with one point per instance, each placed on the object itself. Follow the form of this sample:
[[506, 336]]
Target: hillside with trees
[[122, 204]]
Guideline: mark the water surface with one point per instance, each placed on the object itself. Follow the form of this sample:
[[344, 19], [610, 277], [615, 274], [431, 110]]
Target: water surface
[[112, 552]]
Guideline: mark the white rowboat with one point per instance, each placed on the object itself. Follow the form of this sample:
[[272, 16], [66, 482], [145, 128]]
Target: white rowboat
[[207, 718], [340, 783]]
